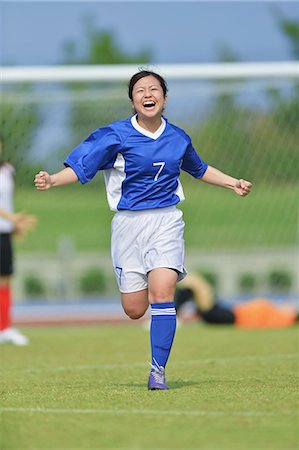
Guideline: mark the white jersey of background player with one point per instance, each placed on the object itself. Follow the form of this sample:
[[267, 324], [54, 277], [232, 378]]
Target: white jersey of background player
[[142, 158]]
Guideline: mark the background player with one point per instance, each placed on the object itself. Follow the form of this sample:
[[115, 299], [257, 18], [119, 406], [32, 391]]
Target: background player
[[10, 225], [257, 312]]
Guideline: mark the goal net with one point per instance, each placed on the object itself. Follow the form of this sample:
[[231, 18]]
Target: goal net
[[242, 118]]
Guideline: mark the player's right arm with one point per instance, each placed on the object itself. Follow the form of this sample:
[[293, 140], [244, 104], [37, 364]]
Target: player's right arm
[[44, 181]]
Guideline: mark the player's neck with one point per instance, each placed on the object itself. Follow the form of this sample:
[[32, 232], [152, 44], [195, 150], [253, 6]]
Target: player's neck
[[151, 124]]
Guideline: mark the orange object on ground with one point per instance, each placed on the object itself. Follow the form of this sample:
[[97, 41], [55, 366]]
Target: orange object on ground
[[261, 313]]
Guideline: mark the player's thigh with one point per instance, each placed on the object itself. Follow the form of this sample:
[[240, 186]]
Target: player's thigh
[[135, 304], [162, 284]]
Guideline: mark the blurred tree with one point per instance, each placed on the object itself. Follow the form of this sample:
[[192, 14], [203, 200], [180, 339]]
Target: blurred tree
[[18, 124], [226, 97], [290, 28], [101, 48], [269, 136], [286, 109], [93, 104]]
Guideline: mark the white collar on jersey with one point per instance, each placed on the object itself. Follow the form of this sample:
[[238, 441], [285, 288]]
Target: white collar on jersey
[[146, 132]]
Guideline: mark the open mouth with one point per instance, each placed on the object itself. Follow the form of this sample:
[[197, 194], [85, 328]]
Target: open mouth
[[149, 104]]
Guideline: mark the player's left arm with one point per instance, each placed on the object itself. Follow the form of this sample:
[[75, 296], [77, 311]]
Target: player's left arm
[[218, 178]]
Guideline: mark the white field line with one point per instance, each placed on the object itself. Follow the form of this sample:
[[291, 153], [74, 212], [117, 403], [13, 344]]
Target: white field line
[[203, 361], [148, 412]]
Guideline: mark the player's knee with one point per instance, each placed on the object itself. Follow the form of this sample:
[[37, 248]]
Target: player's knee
[[160, 296], [133, 313]]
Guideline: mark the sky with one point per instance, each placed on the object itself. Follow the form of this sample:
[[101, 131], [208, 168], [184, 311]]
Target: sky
[[34, 33]]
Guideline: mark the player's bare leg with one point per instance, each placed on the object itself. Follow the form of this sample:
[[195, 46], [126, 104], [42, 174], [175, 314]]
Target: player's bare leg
[[135, 304]]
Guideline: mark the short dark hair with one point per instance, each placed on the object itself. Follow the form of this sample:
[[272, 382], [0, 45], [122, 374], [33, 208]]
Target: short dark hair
[[145, 73]]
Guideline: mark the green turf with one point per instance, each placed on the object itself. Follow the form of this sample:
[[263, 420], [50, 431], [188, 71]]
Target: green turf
[[215, 218], [85, 388]]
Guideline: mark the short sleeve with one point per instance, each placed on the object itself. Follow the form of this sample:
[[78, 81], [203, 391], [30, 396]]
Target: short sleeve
[[192, 162], [97, 152]]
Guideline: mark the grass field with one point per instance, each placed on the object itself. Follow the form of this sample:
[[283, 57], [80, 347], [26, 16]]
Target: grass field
[[85, 388], [268, 217]]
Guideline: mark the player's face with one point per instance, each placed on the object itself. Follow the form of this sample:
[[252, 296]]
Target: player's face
[[148, 97]]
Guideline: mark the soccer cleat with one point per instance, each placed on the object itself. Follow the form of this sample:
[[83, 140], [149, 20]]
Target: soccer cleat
[[13, 336], [156, 380]]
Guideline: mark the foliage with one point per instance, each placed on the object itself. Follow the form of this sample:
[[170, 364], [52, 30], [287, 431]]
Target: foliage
[[290, 29], [102, 48], [266, 139], [34, 286], [252, 144], [247, 282], [18, 123], [215, 218], [280, 280], [93, 281], [286, 112], [86, 116], [211, 277]]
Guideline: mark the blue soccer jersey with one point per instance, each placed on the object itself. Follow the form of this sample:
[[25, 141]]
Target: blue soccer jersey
[[141, 169]]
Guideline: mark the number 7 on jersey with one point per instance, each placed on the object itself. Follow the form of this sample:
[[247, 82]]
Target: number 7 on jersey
[[161, 164]]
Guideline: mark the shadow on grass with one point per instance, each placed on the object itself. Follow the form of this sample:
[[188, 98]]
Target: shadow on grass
[[173, 385], [179, 384]]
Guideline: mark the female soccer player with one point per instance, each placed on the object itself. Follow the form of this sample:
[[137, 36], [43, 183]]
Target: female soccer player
[[10, 224], [142, 158]]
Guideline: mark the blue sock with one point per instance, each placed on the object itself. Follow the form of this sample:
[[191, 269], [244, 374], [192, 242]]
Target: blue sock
[[162, 331]]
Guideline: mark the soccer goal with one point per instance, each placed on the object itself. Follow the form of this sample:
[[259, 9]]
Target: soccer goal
[[243, 118]]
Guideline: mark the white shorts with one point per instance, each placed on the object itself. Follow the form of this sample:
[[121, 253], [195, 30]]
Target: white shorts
[[145, 240]]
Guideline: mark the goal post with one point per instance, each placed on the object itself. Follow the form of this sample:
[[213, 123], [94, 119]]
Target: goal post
[[170, 71]]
